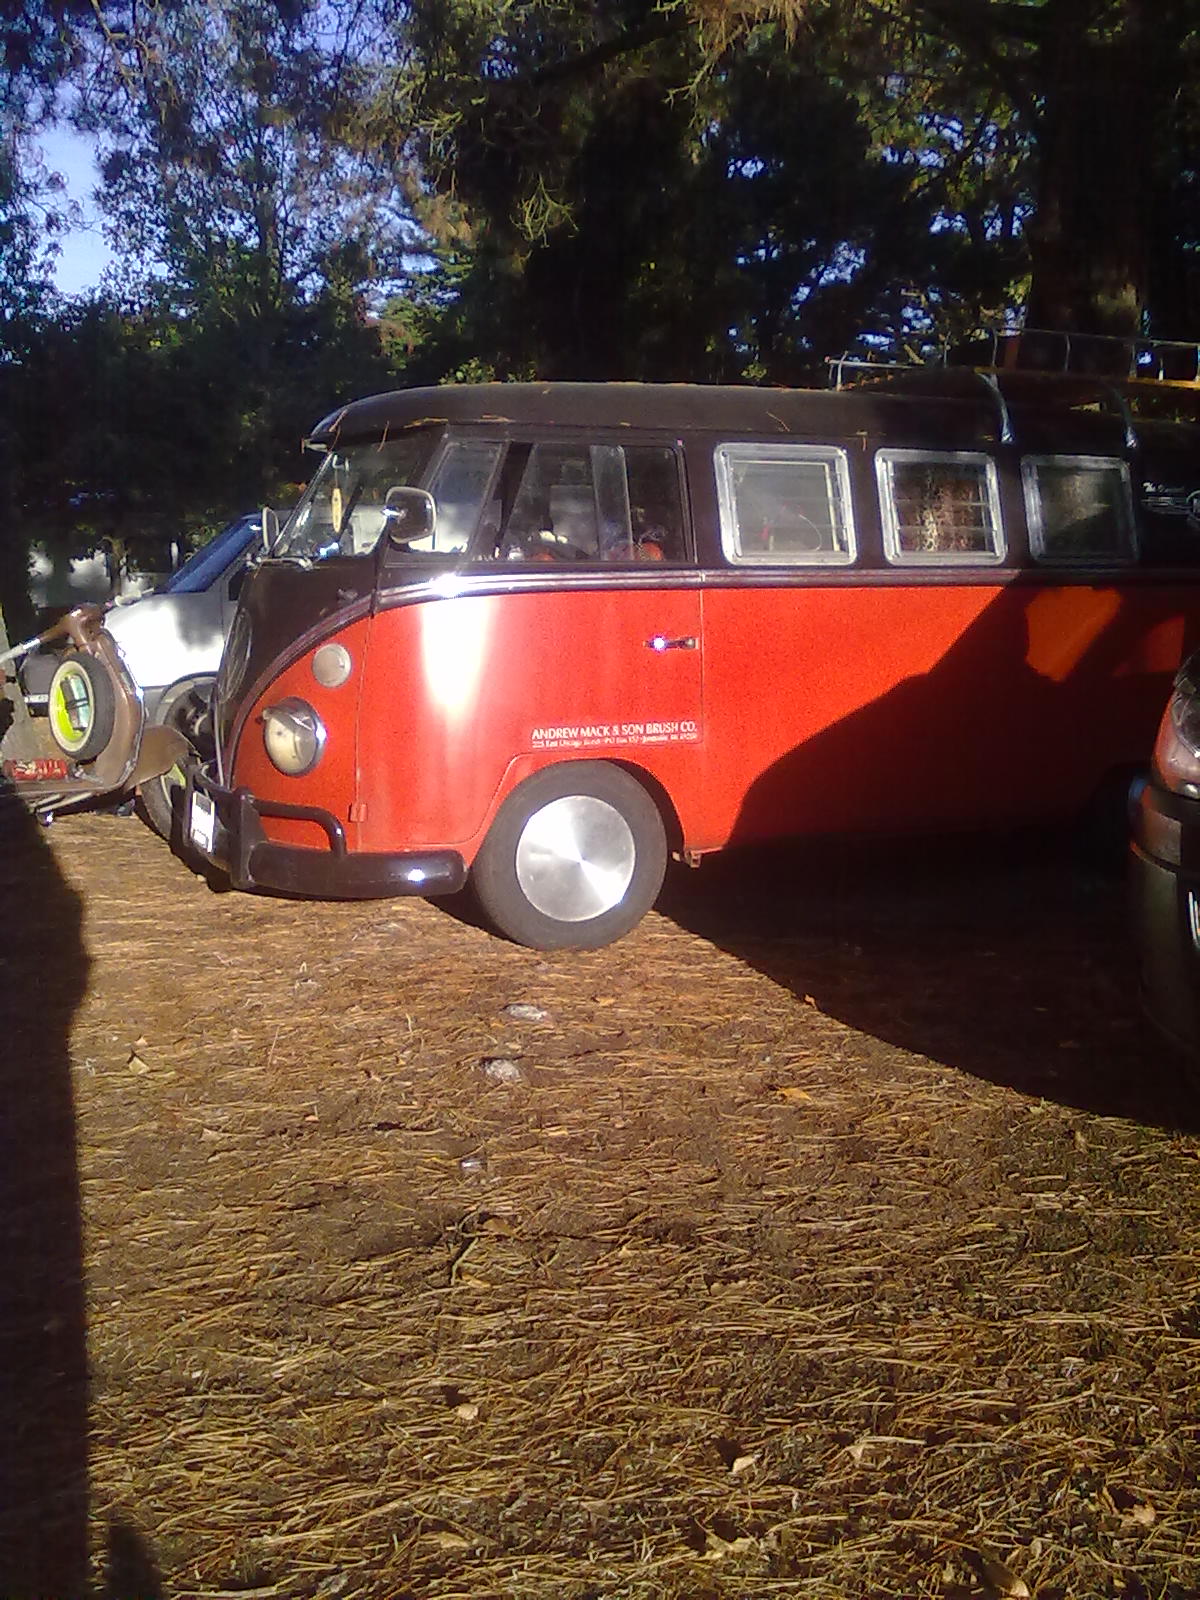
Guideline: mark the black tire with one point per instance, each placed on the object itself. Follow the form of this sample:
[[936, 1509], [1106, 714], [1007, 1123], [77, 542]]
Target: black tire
[[1104, 830], [185, 708], [82, 706], [574, 859]]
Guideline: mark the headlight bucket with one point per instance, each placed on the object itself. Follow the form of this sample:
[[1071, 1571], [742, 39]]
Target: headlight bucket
[[293, 736]]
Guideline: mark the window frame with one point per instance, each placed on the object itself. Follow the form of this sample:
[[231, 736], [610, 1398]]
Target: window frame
[[1036, 524], [584, 440], [841, 504], [452, 441], [884, 461]]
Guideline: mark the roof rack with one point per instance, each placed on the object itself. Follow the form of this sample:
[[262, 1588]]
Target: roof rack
[[946, 382], [1125, 375], [1161, 361], [1174, 363]]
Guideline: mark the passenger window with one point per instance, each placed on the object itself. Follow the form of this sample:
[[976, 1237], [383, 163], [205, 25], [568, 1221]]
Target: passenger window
[[785, 505], [459, 486], [580, 502], [1079, 508], [939, 508]]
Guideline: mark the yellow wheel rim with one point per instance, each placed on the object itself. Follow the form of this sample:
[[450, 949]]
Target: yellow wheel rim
[[71, 708]]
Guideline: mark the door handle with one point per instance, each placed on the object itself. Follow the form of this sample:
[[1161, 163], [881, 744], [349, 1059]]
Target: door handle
[[660, 642]]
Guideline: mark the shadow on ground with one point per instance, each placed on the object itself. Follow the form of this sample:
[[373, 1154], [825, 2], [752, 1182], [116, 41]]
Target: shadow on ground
[[43, 1357], [43, 1333], [1008, 958]]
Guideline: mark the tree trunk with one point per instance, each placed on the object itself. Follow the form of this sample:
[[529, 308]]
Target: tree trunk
[[18, 736], [1089, 239]]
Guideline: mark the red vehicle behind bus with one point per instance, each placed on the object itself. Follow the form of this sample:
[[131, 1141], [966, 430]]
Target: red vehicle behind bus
[[539, 637]]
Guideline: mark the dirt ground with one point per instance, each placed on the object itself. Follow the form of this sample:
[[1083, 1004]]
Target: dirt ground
[[836, 1234]]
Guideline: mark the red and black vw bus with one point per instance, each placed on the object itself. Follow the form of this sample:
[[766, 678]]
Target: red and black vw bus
[[539, 637]]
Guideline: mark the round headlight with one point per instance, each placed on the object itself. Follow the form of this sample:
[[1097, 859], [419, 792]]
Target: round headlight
[[294, 736]]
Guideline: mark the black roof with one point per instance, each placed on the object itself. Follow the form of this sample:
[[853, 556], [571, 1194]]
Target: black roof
[[945, 409], [668, 408]]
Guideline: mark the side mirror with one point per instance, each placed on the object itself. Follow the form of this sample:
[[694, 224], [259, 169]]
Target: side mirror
[[270, 529], [409, 514]]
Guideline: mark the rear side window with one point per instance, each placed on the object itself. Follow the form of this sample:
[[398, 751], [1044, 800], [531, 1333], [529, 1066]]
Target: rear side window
[[939, 509], [569, 502], [785, 505], [1079, 508]]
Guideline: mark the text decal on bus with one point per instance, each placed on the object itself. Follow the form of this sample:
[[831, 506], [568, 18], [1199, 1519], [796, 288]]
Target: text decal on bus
[[597, 735]]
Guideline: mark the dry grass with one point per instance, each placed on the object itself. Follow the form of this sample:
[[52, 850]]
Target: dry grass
[[711, 1293]]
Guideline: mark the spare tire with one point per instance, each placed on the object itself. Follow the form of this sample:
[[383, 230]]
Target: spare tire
[[81, 706]]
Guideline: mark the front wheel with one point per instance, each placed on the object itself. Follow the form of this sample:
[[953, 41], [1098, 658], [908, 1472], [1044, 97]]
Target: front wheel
[[574, 859], [185, 708]]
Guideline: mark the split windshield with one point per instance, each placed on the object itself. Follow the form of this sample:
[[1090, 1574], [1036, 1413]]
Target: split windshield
[[343, 511]]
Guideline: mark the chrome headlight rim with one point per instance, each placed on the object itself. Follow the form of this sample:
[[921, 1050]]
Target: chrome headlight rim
[[1183, 711], [294, 736], [1177, 747]]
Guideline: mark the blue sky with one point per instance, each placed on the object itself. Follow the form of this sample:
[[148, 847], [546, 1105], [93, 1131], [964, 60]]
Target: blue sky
[[83, 254]]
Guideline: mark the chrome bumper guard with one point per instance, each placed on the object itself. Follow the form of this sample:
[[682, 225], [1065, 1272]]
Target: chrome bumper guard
[[238, 846]]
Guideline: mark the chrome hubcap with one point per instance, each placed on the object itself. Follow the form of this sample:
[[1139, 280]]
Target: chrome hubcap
[[575, 858]]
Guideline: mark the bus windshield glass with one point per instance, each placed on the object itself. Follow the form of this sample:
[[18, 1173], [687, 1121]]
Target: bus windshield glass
[[343, 511]]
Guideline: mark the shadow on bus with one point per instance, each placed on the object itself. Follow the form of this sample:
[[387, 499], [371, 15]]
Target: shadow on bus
[[1007, 957]]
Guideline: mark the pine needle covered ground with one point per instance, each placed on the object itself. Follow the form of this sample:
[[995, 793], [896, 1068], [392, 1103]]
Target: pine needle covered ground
[[837, 1234]]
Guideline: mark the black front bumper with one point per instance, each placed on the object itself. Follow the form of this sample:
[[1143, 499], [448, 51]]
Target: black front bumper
[[241, 849], [1165, 883]]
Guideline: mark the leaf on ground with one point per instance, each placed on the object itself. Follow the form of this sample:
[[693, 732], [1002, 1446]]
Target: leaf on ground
[[448, 1541], [1133, 1511], [1001, 1580], [717, 1549]]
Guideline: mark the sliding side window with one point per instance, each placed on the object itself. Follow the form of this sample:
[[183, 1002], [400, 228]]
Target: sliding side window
[[785, 505], [939, 509], [588, 502], [1079, 508]]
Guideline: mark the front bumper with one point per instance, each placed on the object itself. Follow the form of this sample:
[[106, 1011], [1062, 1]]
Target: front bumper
[[240, 848], [1165, 885]]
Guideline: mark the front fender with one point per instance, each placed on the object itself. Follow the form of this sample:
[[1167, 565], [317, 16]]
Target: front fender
[[161, 749]]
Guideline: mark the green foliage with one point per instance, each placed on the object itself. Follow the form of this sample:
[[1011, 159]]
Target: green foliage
[[24, 277], [641, 204], [1105, 94], [248, 240], [314, 199]]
